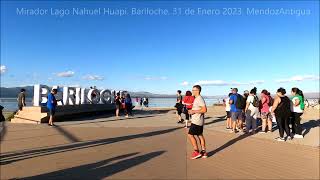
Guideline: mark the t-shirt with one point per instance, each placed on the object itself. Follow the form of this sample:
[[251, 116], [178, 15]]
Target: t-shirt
[[198, 119], [250, 100], [233, 108], [265, 105], [188, 100], [21, 99], [294, 108], [179, 98], [52, 103], [227, 104]]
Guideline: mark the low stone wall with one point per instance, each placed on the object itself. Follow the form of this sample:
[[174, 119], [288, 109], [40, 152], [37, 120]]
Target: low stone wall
[[39, 115]]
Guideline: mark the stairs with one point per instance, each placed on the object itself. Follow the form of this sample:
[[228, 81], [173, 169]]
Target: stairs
[[33, 115]]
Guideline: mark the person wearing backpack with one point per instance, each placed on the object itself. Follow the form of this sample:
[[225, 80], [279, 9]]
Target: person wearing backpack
[[281, 110], [265, 112], [236, 107], [297, 108], [252, 111]]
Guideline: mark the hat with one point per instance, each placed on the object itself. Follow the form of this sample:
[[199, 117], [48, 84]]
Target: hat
[[246, 92]]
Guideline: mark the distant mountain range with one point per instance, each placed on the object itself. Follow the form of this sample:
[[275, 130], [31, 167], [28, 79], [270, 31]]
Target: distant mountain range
[[12, 92]]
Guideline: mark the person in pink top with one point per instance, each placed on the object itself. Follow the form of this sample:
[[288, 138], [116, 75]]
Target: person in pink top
[[265, 112]]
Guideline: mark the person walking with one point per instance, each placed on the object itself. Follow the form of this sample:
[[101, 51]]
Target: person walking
[[117, 101], [21, 100], [179, 106], [51, 105], [236, 103], [198, 110], [187, 102], [281, 109], [227, 108], [128, 105], [252, 111], [266, 116], [297, 108]]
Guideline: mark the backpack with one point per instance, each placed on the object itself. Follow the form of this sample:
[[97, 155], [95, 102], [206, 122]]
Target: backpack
[[255, 102], [270, 101], [240, 103]]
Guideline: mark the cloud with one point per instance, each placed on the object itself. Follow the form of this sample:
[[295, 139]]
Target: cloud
[[93, 77], [3, 69], [150, 78], [184, 83], [299, 78], [65, 74], [224, 83]]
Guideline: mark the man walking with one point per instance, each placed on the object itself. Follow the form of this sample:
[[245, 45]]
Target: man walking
[[197, 122], [179, 106], [21, 99]]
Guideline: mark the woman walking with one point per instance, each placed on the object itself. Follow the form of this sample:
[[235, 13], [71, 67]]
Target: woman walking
[[281, 109], [297, 108], [188, 102], [118, 104]]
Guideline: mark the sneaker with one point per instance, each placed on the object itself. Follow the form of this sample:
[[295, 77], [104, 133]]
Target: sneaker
[[195, 155], [280, 139], [269, 131], [289, 138], [262, 132], [298, 136], [204, 154]]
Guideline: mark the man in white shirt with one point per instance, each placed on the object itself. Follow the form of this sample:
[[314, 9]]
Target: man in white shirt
[[197, 122]]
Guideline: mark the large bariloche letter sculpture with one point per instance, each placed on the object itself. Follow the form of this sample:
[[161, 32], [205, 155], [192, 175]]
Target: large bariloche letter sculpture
[[73, 95]]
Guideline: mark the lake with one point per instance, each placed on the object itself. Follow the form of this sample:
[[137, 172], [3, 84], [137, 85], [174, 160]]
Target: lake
[[10, 104]]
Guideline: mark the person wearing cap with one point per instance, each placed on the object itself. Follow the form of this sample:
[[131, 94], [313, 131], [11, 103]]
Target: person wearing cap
[[51, 105]]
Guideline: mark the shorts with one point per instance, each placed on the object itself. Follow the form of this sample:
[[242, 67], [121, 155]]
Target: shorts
[[52, 112], [195, 130], [118, 106], [228, 114], [266, 115], [236, 115], [179, 112]]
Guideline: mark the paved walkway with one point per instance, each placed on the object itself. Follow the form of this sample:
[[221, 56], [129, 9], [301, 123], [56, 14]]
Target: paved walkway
[[150, 146]]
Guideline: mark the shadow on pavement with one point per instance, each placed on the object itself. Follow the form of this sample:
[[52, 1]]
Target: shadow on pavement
[[7, 158], [219, 119], [101, 169], [309, 125], [67, 134], [229, 143], [3, 131]]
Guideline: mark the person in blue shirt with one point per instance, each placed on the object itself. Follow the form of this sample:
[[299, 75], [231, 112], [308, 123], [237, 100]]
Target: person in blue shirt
[[51, 105], [236, 113]]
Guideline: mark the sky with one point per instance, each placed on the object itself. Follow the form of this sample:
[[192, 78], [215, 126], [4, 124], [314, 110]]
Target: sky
[[162, 53]]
